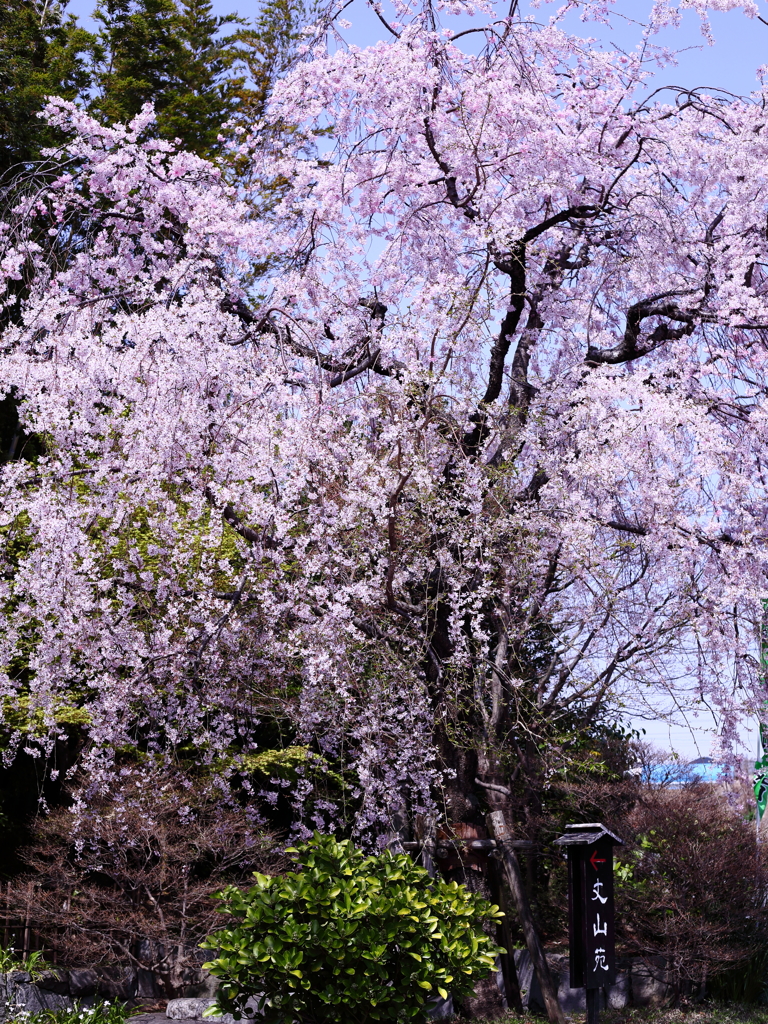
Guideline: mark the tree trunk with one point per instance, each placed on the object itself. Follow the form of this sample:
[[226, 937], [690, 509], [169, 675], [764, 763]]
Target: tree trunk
[[504, 938], [532, 941]]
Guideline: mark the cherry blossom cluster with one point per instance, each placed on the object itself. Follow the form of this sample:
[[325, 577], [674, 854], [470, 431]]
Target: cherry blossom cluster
[[451, 423]]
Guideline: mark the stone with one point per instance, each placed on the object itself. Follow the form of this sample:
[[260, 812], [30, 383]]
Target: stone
[[187, 1008], [440, 1009], [118, 983], [19, 978], [620, 992], [526, 978], [193, 1009], [83, 982], [17, 992], [34, 999], [205, 987], [54, 981], [149, 985], [572, 1000], [650, 984]]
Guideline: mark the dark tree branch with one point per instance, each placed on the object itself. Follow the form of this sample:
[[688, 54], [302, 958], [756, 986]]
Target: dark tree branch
[[367, 363], [375, 8], [533, 488], [231, 517], [513, 264], [640, 531], [632, 345], [450, 179]]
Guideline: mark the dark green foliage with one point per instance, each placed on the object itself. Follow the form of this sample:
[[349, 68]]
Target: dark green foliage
[[267, 47], [139, 54], [42, 52], [205, 93], [175, 54], [155, 51], [350, 938]]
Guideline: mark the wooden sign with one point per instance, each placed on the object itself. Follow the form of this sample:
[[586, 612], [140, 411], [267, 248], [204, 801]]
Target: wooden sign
[[591, 937], [591, 926]]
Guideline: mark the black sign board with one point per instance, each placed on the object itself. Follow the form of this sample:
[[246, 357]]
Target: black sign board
[[592, 945], [590, 888]]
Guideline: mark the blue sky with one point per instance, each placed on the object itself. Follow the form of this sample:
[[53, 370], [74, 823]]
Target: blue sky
[[741, 44]]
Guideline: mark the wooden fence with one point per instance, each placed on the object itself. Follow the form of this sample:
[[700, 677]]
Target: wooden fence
[[18, 929]]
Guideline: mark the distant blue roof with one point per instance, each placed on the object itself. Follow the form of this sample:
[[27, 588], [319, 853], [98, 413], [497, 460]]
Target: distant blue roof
[[676, 774], [707, 772]]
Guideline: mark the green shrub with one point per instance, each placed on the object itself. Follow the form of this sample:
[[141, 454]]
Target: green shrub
[[349, 938]]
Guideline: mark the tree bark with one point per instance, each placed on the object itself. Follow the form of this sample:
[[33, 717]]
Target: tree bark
[[504, 938], [532, 941]]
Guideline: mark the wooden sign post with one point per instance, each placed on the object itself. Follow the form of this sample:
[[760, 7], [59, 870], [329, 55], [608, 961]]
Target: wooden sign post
[[592, 948]]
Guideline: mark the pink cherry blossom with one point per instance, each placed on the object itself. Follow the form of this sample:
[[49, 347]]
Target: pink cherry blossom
[[476, 368]]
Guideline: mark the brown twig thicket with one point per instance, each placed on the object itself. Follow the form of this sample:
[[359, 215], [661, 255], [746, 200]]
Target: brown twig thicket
[[130, 883]]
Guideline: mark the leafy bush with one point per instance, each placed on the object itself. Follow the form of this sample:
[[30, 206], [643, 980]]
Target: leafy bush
[[350, 938]]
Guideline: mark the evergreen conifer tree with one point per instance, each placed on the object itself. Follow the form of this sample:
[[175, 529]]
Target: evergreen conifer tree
[[174, 56], [42, 52], [268, 46], [205, 92]]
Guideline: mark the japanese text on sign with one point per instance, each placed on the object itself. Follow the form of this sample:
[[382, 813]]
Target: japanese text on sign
[[596, 868]]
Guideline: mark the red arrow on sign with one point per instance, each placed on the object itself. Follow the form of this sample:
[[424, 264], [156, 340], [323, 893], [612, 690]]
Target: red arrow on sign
[[594, 860]]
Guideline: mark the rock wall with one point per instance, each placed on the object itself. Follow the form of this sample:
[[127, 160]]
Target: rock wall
[[18, 993], [638, 983], [58, 989]]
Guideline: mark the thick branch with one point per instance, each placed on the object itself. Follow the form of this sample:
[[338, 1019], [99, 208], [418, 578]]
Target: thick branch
[[513, 264], [631, 347], [503, 790], [231, 517], [368, 363], [450, 179]]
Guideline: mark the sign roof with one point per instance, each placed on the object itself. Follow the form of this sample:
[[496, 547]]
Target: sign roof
[[586, 834]]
